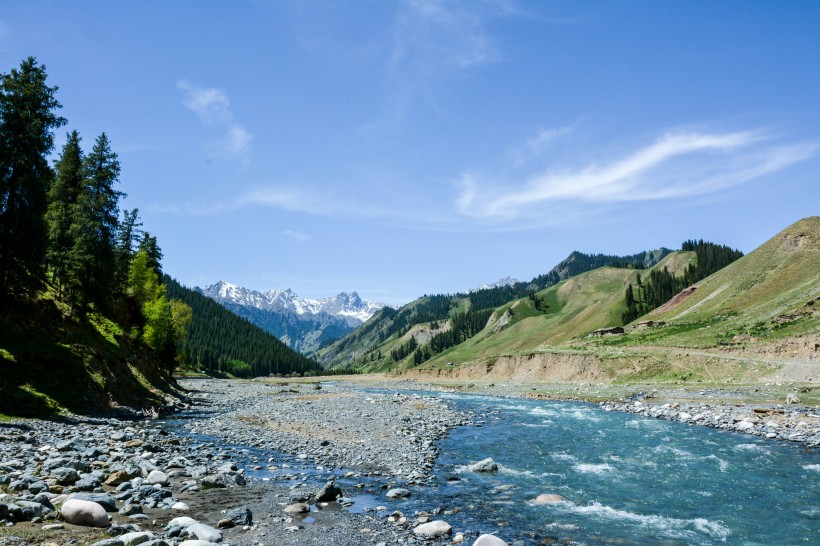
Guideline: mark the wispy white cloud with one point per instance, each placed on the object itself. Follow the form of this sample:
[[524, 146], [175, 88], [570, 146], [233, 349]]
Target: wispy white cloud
[[298, 235], [676, 165], [537, 145], [434, 32], [213, 107]]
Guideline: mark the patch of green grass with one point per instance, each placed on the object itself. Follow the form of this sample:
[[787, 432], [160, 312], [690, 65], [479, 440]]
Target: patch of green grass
[[33, 534]]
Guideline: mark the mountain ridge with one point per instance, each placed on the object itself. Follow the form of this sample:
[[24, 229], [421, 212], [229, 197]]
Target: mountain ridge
[[305, 325]]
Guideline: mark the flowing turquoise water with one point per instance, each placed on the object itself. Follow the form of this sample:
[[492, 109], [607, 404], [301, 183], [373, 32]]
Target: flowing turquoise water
[[626, 479]]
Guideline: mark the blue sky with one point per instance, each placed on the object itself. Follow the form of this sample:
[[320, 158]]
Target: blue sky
[[402, 148]]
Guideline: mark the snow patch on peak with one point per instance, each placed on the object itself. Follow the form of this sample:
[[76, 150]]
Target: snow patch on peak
[[506, 281]]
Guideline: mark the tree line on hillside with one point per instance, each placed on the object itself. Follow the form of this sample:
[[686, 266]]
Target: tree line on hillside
[[63, 235], [660, 286], [219, 341], [463, 326]]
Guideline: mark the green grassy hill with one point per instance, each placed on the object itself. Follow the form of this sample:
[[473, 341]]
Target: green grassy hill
[[763, 302], [390, 328], [765, 294], [570, 311]]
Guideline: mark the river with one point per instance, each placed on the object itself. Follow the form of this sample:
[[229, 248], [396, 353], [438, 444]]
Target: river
[[625, 479]]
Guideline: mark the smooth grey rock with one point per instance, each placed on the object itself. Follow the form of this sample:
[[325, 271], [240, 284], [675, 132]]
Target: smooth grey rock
[[298, 508], [87, 483], [220, 481], [329, 492], [32, 510], [487, 465], [109, 542], [240, 516], [37, 487], [434, 529], [157, 477], [65, 475], [130, 509], [204, 532], [117, 530], [398, 493], [195, 543], [152, 492], [53, 527], [182, 521], [132, 539], [546, 498], [84, 512]]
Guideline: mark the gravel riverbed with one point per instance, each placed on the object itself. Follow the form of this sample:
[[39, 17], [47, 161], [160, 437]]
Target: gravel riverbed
[[276, 463], [146, 476]]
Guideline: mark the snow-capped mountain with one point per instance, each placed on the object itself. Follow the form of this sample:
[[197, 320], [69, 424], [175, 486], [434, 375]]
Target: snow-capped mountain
[[303, 324], [347, 305], [506, 281]]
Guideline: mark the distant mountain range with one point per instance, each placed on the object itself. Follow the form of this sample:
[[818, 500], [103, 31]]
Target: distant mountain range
[[303, 324]]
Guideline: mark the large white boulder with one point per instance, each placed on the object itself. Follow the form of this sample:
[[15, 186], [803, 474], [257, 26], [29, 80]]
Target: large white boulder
[[182, 521], [546, 498], [434, 529], [489, 540], [85, 513], [204, 532]]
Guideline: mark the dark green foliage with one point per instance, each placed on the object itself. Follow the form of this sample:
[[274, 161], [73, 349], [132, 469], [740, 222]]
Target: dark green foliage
[[404, 350], [711, 259], [127, 236], [661, 286], [463, 326], [96, 224], [63, 200], [216, 337], [27, 122], [149, 245]]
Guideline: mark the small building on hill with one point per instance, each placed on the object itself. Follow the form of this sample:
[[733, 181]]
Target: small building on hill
[[610, 331], [650, 324]]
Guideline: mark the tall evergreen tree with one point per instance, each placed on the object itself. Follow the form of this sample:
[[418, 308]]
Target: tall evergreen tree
[[97, 223], [62, 206], [127, 235], [27, 123], [149, 245]]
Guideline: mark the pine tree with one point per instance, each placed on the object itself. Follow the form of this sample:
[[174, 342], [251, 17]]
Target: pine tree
[[62, 207], [149, 245], [97, 224], [27, 122], [127, 235]]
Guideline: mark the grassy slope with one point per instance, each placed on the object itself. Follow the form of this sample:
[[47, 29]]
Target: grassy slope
[[50, 363], [763, 295], [577, 306], [778, 278]]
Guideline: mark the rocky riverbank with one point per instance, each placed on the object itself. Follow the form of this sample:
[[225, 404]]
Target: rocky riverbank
[[117, 483], [793, 424]]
